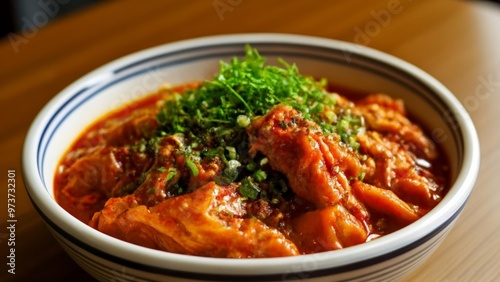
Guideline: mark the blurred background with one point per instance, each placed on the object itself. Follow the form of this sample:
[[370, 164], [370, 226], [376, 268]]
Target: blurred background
[[18, 14]]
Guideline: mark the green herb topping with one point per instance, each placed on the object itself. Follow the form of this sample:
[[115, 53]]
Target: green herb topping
[[213, 117], [240, 91]]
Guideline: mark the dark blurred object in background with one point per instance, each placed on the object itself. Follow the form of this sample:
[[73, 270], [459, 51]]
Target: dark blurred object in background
[[6, 17], [15, 14], [18, 14]]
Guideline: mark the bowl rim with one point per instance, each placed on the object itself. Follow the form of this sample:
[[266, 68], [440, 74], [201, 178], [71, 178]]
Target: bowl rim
[[153, 260]]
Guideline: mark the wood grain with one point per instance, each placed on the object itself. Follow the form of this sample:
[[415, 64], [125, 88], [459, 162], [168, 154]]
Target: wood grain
[[455, 41]]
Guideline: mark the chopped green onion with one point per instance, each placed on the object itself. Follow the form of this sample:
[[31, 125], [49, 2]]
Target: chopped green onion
[[171, 173], [232, 153], [229, 174], [361, 175], [248, 188], [260, 175], [243, 121], [192, 166]]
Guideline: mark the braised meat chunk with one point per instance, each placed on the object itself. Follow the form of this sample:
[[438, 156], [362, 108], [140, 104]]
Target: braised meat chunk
[[320, 166], [318, 169], [92, 179], [207, 222]]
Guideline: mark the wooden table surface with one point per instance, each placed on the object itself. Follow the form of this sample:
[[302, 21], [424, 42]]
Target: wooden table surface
[[455, 41]]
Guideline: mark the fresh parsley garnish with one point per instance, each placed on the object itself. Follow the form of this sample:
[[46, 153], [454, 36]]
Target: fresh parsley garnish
[[240, 91]]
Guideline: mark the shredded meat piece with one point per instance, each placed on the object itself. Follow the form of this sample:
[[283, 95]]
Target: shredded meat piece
[[168, 169], [385, 202], [107, 172], [329, 228], [320, 166], [320, 169], [398, 171], [139, 124], [154, 189], [206, 222], [387, 116], [103, 166]]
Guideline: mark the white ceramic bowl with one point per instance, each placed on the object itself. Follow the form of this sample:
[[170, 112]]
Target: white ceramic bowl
[[388, 258]]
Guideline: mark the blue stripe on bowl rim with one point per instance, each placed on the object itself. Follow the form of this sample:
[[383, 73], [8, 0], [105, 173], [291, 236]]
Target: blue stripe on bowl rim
[[436, 234], [365, 63]]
